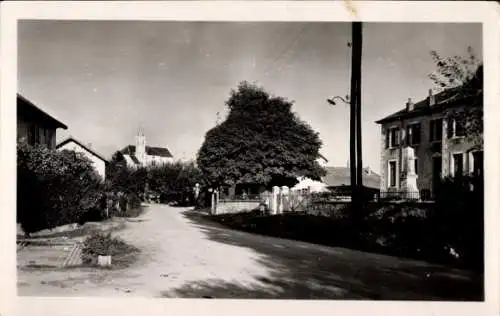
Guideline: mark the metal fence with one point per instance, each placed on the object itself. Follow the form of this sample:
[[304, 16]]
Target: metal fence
[[392, 195], [334, 203]]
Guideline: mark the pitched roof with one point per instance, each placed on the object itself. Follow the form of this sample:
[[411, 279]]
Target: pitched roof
[[71, 139], [340, 176], [26, 107], [152, 151], [443, 99]]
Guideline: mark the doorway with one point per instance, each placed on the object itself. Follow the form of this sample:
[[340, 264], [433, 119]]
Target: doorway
[[437, 164]]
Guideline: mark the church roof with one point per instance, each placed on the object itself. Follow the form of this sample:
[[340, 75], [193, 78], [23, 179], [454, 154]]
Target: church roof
[[152, 151]]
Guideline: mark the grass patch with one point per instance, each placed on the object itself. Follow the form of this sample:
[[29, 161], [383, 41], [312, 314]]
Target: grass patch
[[402, 232], [100, 244], [81, 231]]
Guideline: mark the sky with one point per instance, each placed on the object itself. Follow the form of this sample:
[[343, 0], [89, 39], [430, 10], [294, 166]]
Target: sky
[[105, 79]]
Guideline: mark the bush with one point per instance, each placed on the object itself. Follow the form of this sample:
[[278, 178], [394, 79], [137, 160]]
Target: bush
[[54, 187], [134, 201], [101, 244]]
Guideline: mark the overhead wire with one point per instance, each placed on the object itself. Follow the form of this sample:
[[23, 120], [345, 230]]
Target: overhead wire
[[287, 48]]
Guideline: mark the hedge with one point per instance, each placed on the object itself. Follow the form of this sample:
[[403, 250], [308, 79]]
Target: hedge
[[54, 188]]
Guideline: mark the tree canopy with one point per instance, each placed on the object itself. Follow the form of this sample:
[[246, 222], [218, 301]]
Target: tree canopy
[[261, 142], [463, 77]]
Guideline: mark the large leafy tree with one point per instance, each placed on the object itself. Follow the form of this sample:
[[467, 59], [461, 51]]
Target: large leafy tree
[[462, 78], [261, 142]]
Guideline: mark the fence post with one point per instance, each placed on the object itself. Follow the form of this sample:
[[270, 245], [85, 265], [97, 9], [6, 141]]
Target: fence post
[[215, 201], [274, 200], [285, 205]]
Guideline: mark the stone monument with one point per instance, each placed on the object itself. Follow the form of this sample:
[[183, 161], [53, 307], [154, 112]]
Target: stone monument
[[409, 177]]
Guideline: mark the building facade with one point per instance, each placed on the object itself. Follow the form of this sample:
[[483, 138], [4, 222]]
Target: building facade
[[34, 126], [141, 155], [439, 143], [98, 161]]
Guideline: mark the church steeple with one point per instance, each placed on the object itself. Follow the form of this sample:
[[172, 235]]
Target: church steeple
[[140, 145]]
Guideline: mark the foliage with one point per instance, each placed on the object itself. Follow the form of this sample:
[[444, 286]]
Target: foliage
[[171, 181], [261, 141], [462, 77], [54, 187], [175, 181], [101, 244], [458, 218], [420, 230]]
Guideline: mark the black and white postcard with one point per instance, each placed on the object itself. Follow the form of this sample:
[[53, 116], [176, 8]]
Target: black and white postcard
[[251, 157]]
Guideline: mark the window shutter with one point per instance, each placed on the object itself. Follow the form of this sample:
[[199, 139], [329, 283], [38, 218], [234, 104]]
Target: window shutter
[[408, 135], [432, 128], [417, 133], [439, 129], [387, 137], [450, 128]]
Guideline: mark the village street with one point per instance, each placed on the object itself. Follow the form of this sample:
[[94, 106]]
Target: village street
[[183, 255]]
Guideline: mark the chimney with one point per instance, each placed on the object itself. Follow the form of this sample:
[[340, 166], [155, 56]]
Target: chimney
[[89, 145], [409, 105], [432, 99]]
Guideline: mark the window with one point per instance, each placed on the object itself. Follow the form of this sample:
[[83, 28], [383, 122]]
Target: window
[[392, 138], [477, 160], [415, 165], [392, 173], [33, 134], [436, 130], [458, 165], [456, 127], [413, 134]]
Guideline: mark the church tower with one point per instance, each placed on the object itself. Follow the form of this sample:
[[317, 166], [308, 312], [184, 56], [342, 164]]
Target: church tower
[[140, 146]]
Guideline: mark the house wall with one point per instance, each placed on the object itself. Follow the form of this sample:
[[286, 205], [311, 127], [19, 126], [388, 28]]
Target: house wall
[[424, 152], [98, 164], [156, 160], [46, 134]]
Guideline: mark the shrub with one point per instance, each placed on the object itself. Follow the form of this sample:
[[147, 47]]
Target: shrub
[[134, 201], [54, 187], [101, 244]]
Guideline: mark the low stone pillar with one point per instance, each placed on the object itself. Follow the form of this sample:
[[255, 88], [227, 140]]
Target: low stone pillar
[[275, 200], [213, 203], [285, 199]]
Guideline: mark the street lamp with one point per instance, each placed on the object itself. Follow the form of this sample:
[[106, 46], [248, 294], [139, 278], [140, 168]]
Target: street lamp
[[344, 100]]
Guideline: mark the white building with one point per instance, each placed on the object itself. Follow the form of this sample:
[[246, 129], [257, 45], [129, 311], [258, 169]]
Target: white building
[[141, 155], [98, 161], [308, 185]]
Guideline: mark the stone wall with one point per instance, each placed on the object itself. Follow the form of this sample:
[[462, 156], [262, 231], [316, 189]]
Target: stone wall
[[224, 207]]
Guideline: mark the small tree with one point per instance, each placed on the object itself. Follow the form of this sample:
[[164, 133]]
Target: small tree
[[462, 77], [261, 142], [174, 181]]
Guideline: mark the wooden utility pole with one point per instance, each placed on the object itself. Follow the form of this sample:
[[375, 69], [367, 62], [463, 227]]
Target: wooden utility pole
[[356, 157], [358, 30], [352, 121]]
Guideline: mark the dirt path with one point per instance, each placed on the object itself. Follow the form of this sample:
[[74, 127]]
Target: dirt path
[[185, 256]]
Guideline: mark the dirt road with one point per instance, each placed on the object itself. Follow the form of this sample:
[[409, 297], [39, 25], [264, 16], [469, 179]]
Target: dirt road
[[183, 255]]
